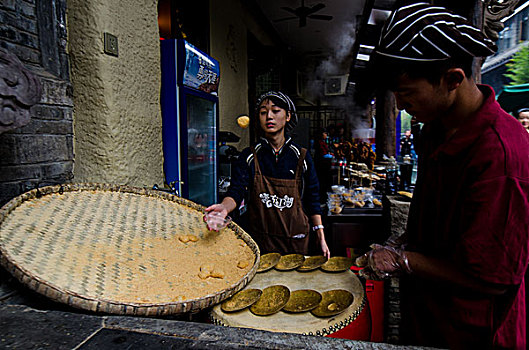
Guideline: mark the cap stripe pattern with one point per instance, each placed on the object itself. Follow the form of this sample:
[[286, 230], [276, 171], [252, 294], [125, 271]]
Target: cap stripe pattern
[[421, 32]]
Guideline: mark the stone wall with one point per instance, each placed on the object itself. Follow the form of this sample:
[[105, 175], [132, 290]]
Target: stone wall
[[398, 217], [228, 46], [41, 151], [117, 116]]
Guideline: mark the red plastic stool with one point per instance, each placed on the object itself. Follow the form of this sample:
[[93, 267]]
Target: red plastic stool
[[375, 301]]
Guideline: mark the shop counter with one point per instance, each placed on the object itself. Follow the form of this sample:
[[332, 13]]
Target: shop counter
[[354, 228]]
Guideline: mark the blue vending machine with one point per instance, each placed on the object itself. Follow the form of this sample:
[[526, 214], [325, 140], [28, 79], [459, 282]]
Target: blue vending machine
[[189, 103]]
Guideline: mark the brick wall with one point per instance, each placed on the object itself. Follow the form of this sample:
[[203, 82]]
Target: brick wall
[[41, 152]]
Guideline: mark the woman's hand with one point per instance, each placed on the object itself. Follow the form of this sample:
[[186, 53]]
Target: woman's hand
[[220, 209], [318, 227], [216, 217], [323, 244]]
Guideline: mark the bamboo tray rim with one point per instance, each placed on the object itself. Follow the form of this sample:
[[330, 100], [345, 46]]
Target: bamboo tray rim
[[74, 299]]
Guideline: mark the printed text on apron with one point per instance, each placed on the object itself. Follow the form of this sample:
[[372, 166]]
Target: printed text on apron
[[277, 220]]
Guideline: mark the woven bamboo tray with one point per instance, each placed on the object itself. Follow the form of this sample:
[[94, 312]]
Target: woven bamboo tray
[[119, 250]]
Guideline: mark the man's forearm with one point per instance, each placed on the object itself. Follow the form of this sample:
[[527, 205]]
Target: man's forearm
[[446, 271]]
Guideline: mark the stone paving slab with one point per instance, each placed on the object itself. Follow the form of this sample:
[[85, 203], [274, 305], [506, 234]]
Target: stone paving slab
[[31, 321], [22, 327]]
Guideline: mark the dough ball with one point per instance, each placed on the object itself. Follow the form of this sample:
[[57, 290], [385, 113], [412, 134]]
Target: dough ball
[[217, 274], [243, 121], [242, 264]]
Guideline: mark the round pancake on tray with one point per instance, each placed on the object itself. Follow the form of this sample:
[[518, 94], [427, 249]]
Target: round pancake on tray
[[337, 264], [289, 262], [271, 301], [241, 300], [268, 261], [302, 300], [312, 263], [333, 302], [122, 250]]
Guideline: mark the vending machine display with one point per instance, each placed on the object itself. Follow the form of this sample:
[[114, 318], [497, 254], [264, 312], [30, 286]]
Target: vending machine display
[[189, 104]]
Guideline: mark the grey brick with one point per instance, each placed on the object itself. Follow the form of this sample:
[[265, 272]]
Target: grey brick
[[393, 296], [68, 113], [8, 33], [7, 145], [37, 183], [19, 172], [56, 92], [394, 282], [57, 170], [26, 24], [17, 21], [41, 152], [25, 54], [20, 38], [69, 145], [29, 40], [3, 16], [48, 112], [393, 308], [37, 126], [393, 330], [26, 149], [7, 4], [51, 173], [393, 340], [393, 302], [394, 315], [27, 10], [8, 191]]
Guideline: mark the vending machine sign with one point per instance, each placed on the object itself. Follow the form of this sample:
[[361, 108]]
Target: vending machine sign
[[201, 72]]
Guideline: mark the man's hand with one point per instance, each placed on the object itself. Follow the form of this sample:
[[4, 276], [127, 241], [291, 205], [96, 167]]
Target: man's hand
[[383, 262]]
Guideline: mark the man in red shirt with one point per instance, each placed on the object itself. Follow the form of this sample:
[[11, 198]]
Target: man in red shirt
[[466, 246]]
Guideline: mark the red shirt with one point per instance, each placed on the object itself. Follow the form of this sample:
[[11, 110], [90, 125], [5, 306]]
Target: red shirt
[[471, 206], [322, 148]]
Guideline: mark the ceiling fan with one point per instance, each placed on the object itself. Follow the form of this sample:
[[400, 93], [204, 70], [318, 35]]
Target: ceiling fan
[[303, 12]]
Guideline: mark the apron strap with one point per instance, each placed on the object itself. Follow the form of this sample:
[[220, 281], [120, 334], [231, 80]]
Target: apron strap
[[256, 162], [299, 168]]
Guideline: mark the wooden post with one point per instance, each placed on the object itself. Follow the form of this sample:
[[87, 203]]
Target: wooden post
[[476, 17], [386, 117]]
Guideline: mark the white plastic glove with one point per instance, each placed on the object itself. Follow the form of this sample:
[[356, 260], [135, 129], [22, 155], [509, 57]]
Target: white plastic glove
[[383, 262]]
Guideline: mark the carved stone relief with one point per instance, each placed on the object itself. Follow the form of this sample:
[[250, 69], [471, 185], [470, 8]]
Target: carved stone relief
[[19, 90], [494, 12], [231, 48]]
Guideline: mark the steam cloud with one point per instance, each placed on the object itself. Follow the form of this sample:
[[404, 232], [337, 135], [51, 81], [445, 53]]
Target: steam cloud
[[337, 63]]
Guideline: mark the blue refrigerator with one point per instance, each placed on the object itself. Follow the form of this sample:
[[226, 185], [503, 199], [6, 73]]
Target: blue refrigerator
[[189, 104]]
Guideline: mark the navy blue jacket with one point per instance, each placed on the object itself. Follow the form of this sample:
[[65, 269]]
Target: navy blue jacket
[[284, 167]]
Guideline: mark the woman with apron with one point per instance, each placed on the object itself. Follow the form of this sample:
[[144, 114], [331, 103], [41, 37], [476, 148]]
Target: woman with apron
[[278, 178]]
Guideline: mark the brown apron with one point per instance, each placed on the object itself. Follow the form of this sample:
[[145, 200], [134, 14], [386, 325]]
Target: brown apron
[[277, 220]]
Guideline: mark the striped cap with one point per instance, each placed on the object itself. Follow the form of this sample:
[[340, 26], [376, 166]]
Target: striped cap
[[422, 32], [287, 101]]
